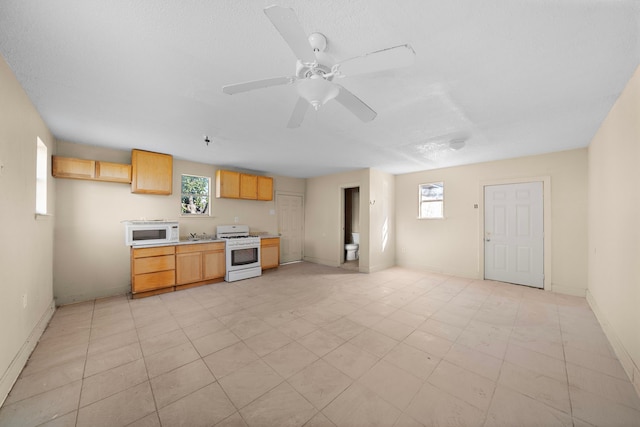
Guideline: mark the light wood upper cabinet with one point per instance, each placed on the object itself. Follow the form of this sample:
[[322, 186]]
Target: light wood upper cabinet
[[152, 173], [66, 167], [269, 253], [265, 188], [236, 185], [227, 184], [113, 172], [248, 186]]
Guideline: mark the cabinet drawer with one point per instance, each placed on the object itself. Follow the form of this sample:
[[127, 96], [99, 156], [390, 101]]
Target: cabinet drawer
[[199, 247], [154, 264], [155, 251], [149, 281], [270, 242]]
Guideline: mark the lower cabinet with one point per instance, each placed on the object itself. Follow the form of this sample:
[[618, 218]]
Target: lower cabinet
[[270, 252], [213, 262], [170, 268], [198, 263], [153, 270], [189, 267]]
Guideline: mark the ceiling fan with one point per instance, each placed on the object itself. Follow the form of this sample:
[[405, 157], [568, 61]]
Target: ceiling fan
[[316, 70]]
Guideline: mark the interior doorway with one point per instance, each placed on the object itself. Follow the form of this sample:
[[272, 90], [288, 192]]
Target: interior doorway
[[290, 226], [514, 233], [351, 228]]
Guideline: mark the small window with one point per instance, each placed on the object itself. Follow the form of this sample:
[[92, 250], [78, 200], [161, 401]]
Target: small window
[[195, 195], [431, 200], [41, 177]]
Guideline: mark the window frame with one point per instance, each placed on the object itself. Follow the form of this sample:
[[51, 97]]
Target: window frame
[[42, 177], [438, 200], [207, 212]]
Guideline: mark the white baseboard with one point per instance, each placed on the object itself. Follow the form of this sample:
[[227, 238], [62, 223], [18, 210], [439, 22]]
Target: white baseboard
[[628, 364], [437, 270], [15, 367], [321, 261], [376, 268], [568, 290]]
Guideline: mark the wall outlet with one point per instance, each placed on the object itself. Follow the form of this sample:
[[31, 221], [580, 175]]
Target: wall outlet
[[236, 219], [24, 301]]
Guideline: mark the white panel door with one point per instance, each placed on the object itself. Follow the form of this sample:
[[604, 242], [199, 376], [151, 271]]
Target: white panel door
[[290, 226], [514, 233]]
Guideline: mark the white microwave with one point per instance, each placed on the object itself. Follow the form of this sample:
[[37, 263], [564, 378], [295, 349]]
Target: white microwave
[[145, 233]]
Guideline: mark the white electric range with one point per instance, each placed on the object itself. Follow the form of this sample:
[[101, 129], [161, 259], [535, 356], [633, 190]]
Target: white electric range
[[242, 252]]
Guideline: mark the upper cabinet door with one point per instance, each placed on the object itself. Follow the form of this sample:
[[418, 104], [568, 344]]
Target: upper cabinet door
[[66, 167], [236, 185], [248, 187], [265, 188], [227, 184], [152, 173], [113, 172]]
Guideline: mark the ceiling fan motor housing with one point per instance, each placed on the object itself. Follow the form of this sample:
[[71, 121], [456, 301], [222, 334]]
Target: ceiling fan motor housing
[[323, 64]]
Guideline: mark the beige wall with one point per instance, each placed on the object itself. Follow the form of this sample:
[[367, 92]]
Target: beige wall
[[26, 251], [324, 217], [382, 239], [91, 259], [614, 227], [453, 245]]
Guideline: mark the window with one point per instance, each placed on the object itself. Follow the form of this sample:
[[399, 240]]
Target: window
[[195, 195], [431, 200], [41, 177]]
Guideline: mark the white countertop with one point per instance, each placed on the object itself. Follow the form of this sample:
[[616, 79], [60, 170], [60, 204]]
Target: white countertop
[[187, 241]]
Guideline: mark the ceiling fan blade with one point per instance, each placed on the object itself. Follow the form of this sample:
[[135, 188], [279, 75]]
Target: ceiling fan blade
[[355, 105], [298, 114], [385, 59], [256, 84], [287, 24]]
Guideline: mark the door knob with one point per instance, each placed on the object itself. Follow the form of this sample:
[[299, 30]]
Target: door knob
[[487, 240]]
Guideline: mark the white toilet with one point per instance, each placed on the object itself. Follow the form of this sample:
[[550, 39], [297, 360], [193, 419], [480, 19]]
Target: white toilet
[[352, 248]]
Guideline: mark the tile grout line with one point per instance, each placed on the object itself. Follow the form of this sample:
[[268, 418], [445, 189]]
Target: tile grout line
[[86, 358]]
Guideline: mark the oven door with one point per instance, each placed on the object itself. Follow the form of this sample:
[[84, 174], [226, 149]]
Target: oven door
[[240, 258]]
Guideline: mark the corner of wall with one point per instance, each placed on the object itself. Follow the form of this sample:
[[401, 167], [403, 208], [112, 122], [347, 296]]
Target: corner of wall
[[632, 370], [10, 376]]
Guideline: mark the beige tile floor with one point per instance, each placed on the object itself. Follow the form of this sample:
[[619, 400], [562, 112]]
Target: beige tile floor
[[318, 346]]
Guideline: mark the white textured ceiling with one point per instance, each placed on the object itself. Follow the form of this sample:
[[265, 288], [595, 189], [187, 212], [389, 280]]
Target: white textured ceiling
[[513, 77]]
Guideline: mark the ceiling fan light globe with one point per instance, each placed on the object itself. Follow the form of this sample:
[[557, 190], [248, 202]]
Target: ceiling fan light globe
[[318, 42], [317, 91]]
